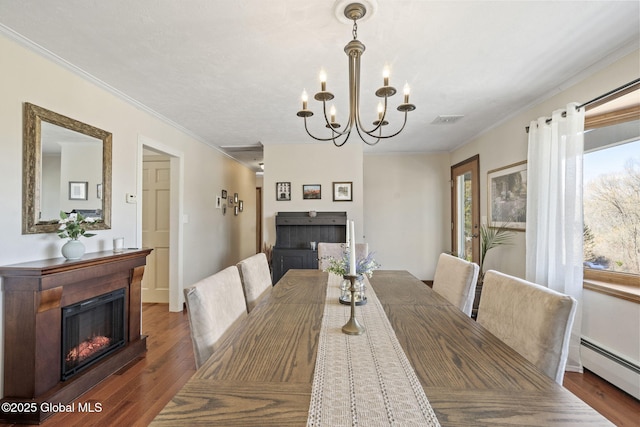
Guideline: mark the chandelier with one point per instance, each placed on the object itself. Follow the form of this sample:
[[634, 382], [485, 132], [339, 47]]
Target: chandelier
[[354, 50]]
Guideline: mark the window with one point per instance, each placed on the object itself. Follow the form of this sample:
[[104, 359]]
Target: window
[[611, 171], [612, 207]]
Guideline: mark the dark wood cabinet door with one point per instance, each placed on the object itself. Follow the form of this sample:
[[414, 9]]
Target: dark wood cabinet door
[[286, 259]]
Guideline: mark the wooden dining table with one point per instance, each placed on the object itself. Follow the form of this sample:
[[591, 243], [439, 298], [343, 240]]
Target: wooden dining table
[[263, 370]]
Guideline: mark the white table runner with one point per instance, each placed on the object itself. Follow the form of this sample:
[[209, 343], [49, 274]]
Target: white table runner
[[364, 380]]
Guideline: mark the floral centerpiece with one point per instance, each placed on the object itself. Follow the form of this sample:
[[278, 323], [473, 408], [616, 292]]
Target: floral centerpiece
[[364, 267], [72, 227]]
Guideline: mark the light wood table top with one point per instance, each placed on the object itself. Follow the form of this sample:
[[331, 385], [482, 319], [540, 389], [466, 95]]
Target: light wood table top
[[262, 373]]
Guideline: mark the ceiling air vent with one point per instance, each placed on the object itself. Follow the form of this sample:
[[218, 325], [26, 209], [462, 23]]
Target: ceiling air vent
[[446, 120]]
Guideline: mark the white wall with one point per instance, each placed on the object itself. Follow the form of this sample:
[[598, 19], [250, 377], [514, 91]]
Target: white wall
[[75, 167], [612, 324], [210, 241], [51, 186], [405, 223], [397, 199], [312, 163]]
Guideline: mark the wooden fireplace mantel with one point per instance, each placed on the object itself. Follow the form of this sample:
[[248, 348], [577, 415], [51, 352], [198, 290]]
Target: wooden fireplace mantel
[[34, 294]]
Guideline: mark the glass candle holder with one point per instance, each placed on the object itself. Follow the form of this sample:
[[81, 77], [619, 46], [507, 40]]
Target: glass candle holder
[[359, 294]]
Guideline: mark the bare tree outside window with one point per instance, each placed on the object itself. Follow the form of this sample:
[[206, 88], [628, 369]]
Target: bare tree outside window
[[612, 209]]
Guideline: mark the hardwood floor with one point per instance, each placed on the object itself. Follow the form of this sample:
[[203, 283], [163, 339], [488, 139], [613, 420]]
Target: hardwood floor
[[617, 406], [134, 395]]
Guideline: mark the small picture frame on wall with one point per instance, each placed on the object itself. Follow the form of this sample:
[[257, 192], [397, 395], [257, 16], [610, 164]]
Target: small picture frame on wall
[[507, 196], [235, 198], [241, 205], [283, 191], [235, 210], [311, 191], [224, 194], [218, 202], [342, 191], [78, 190]]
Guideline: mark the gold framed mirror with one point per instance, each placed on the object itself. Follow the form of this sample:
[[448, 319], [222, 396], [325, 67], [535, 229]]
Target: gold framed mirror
[[66, 167]]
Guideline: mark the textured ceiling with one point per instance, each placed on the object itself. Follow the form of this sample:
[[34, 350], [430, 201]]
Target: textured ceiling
[[231, 72]]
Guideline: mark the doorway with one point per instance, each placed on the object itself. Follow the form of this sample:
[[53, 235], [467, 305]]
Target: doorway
[[172, 258], [156, 225], [258, 220], [465, 209]]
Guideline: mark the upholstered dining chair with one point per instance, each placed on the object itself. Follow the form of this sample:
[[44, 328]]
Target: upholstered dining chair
[[214, 305], [456, 279], [256, 278], [533, 320], [336, 250]]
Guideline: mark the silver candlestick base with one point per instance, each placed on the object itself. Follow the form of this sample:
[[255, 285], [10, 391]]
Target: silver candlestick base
[[353, 327]]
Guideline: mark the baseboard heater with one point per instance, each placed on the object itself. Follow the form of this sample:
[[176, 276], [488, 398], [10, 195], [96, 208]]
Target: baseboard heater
[[618, 370]]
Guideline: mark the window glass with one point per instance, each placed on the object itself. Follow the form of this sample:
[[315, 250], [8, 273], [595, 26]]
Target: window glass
[[612, 203]]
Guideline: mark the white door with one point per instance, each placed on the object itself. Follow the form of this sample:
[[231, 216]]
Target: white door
[[156, 180]]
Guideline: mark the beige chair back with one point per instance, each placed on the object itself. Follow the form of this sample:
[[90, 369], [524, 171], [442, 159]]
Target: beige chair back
[[533, 320], [456, 280], [214, 305], [256, 278], [336, 250]]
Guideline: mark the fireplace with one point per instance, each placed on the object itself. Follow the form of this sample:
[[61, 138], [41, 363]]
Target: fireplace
[[91, 329], [100, 296]]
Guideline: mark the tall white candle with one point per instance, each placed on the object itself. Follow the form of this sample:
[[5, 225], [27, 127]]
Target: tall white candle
[[352, 253], [348, 241]]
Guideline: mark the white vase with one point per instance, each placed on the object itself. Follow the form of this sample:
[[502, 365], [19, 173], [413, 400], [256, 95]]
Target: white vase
[[73, 249]]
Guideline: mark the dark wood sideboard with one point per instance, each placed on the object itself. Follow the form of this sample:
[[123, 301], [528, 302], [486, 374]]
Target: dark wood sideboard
[[294, 233], [34, 295]]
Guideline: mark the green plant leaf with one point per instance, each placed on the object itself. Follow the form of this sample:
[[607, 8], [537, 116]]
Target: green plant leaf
[[491, 237]]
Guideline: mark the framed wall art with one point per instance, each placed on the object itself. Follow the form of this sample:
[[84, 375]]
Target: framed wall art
[[507, 196], [283, 191], [78, 190], [311, 191], [342, 191]]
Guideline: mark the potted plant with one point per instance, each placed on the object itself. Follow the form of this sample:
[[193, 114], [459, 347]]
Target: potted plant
[[72, 227], [490, 237]]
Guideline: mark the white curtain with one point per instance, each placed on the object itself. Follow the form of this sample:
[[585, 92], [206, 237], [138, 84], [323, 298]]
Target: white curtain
[[554, 211]]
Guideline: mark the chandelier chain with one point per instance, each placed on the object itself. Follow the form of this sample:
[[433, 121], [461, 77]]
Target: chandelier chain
[[355, 30]]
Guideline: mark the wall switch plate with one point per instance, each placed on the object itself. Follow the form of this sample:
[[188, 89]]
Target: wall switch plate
[[132, 198]]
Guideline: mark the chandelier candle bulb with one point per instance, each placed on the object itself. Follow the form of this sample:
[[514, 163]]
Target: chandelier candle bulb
[[380, 110], [323, 81], [305, 98], [332, 113], [385, 75], [407, 90]]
